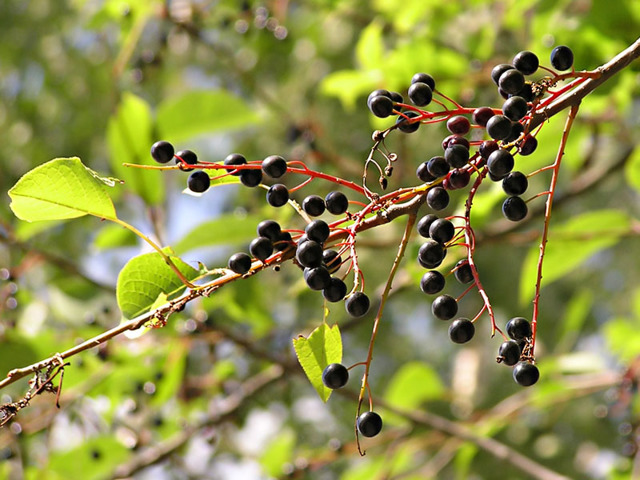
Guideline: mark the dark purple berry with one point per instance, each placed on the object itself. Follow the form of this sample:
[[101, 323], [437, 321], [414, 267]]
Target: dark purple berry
[[515, 108], [526, 374], [488, 147], [420, 94], [514, 209], [422, 172], [442, 230], [482, 115], [498, 70], [357, 304], [511, 81], [528, 145], [461, 330], [396, 97], [381, 106], [437, 198], [404, 119], [516, 130], [162, 152], [187, 156], [456, 155], [261, 248], [527, 62], [515, 183], [458, 125], [336, 203], [277, 195], [313, 205], [331, 259], [309, 254], [438, 167], [375, 93], [463, 272], [369, 424], [251, 177], [500, 163], [269, 229], [455, 140], [444, 307], [283, 242], [318, 230], [335, 376], [509, 352], [335, 291], [459, 178], [424, 78], [562, 58], [425, 223], [432, 282], [274, 166], [240, 263], [431, 254], [317, 278], [499, 127], [199, 181], [519, 328], [235, 159]]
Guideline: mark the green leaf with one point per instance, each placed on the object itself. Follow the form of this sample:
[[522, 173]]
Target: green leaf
[[129, 137], [60, 189], [370, 48], [93, 459], [193, 113], [575, 316], [112, 236], [632, 169], [571, 244], [175, 364], [229, 229], [349, 85], [145, 278], [278, 453], [321, 348]]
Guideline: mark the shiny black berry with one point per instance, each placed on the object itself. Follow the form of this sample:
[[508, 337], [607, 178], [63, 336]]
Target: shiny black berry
[[515, 108], [274, 166], [199, 181], [463, 272], [335, 376], [425, 223], [162, 152], [313, 205], [438, 167], [235, 159], [240, 263], [528, 145], [562, 58], [424, 78], [509, 352], [519, 328], [404, 119], [269, 229], [499, 127], [456, 155], [498, 70], [515, 183], [438, 198], [317, 278], [369, 424], [309, 254], [500, 163], [317, 230], [432, 282], [251, 177], [442, 230], [458, 178], [461, 330], [335, 291], [381, 106], [526, 374], [481, 116], [511, 81], [331, 259], [422, 172], [444, 307], [527, 62], [336, 203], [458, 125], [431, 254], [357, 304], [420, 94], [277, 195], [514, 209], [375, 93], [187, 156], [261, 248]]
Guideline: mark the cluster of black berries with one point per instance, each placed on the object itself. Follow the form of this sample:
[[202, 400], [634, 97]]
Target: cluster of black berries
[[336, 376], [270, 237], [514, 352]]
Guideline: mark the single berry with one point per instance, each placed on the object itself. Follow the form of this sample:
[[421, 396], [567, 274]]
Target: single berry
[[251, 177], [424, 78], [498, 70], [515, 108], [487, 148], [313, 205], [162, 152], [444, 307], [562, 58], [432, 282], [335, 376], [516, 130], [514, 209], [500, 163], [431, 254], [527, 62], [422, 172], [482, 115], [235, 159], [509, 352], [438, 167], [335, 291], [519, 328], [403, 122], [331, 259], [526, 374], [463, 272], [269, 229], [357, 304], [461, 330], [261, 248], [499, 127], [274, 166], [318, 230], [187, 156], [369, 424], [420, 94], [438, 198], [396, 97], [317, 278], [199, 181], [283, 242], [458, 125], [240, 263], [337, 203], [309, 254], [528, 145], [454, 139], [515, 183], [442, 230], [375, 93], [511, 81], [459, 178], [381, 106], [456, 155], [424, 224], [277, 195]]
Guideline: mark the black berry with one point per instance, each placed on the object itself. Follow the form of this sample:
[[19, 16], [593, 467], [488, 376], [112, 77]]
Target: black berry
[[422, 172], [261, 248], [375, 93], [515, 108], [498, 70], [335, 376], [381, 106], [514, 209], [331, 259], [461, 330], [235, 159], [369, 424], [162, 152], [438, 198], [403, 123], [313, 205], [458, 125], [500, 163], [442, 230], [526, 374], [499, 127], [519, 328], [527, 62], [528, 145], [240, 263], [431, 254], [425, 223], [336, 203], [562, 58], [317, 278], [444, 307], [187, 156], [420, 94], [463, 272], [432, 282], [487, 148], [357, 304], [199, 181], [459, 178], [438, 167], [509, 352], [456, 155], [277, 195], [318, 230], [515, 183], [269, 229], [455, 140], [309, 254], [274, 166], [335, 291], [424, 78], [482, 115], [251, 177], [511, 81]]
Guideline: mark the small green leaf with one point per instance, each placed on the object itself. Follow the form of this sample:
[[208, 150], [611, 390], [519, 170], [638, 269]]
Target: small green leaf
[[60, 189], [321, 348], [113, 236], [194, 113], [145, 278], [632, 169], [93, 459], [229, 229], [349, 85], [278, 453], [571, 244], [174, 367], [370, 48]]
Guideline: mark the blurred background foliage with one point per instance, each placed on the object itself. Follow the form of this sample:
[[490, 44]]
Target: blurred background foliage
[[103, 80]]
